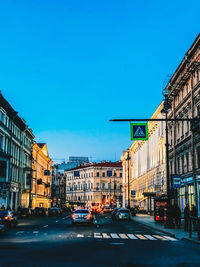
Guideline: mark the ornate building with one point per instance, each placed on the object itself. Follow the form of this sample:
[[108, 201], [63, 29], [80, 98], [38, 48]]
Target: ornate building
[[146, 166], [95, 183], [15, 156], [41, 185], [184, 137]]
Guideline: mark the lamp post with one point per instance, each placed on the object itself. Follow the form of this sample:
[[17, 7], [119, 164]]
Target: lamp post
[[167, 106], [128, 158]]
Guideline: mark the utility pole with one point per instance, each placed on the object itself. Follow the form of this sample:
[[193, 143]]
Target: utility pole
[[128, 158]]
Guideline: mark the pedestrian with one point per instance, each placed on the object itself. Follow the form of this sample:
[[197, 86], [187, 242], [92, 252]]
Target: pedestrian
[[177, 216], [186, 217], [194, 214]]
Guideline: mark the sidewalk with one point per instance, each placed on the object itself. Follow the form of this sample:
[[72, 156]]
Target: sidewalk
[[149, 222]]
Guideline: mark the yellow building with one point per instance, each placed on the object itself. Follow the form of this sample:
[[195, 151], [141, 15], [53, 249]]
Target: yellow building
[[41, 176]]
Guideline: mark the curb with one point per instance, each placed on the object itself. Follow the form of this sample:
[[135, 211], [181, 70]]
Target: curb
[[154, 228], [190, 240]]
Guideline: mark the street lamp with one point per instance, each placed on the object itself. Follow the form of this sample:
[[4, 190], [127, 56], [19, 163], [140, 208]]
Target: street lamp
[[167, 106], [127, 159]]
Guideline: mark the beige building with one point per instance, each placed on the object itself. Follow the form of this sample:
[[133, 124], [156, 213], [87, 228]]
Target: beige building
[[95, 183], [184, 137], [146, 166], [41, 185]]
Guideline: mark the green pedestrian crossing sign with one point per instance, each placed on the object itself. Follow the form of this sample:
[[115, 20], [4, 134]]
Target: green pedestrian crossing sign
[[139, 131]]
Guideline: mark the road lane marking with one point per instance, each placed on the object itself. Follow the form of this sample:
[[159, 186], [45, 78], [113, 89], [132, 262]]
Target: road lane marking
[[63, 218], [105, 235], [150, 237], [117, 243], [97, 235], [113, 235], [131, 236], [20, 232], [170, 238], [45, 226], [141, 237], [160, 237], [123, 236], [57, 221], [35, 232], [80, 235]]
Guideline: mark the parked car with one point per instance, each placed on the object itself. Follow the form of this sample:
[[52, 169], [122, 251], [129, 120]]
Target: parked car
[[82, 216], [107, 210], [8, 219], [123, 214], [114, 213], [55, 211], [40, 211], [24, 213]]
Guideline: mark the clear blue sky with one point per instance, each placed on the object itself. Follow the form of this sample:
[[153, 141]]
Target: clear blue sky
[[69, 66]]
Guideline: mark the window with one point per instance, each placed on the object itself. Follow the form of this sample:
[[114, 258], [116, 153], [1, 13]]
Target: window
[[97, 174], [198, 157], [103, 185], [182, 159], [120, 174], [1, 141], [91, 185], [2, 116], [109, 185], [187, 161], [3, 168], [103, 174]]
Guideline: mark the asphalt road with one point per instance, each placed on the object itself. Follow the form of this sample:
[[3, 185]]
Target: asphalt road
[[53, 241]]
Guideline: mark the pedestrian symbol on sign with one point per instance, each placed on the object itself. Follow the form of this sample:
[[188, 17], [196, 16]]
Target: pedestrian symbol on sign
[[139, 131]]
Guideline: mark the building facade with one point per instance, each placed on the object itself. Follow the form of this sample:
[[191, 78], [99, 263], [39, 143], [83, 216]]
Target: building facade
[[15, 156], [41, 177], [146, 166], [95, 183], [184, 136]]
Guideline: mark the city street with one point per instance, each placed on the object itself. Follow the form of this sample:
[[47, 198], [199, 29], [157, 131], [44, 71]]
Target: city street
[[53, 241]]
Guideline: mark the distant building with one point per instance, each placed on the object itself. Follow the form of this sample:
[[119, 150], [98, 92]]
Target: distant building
[[15, 156], [95, 183]]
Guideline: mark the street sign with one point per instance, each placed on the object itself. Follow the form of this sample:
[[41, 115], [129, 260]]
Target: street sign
[[139, 131], [133, 192], [176, 181]]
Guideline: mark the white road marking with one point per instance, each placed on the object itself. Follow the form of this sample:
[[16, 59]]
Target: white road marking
[[45, 226], [35, 232], [170, 238], [150, 237], [57, 221], [141, 237], [123, 236], [80, 235], [63, 218], [97, 235], [131, 236], [113, 235], [160, 237], [20, 232], [60, 236], [105, 235]]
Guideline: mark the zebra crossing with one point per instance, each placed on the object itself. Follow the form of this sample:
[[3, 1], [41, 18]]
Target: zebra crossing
[[127, 236]]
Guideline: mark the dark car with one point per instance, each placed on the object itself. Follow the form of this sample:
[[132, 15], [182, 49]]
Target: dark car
[[8, 219], [114, 213], [55, 211], [107, 210], [40, 211], [24, 213], [123, 214]]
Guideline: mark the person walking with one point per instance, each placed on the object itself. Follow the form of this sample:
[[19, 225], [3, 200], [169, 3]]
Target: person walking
[[186, 217], [177, 216], [194, 214]]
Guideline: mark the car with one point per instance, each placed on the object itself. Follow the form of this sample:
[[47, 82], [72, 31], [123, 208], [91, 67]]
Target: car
[[107, 210], [24, 213], [40, 211], [82, 216], [123, 214], [114, 213], [8, 219], [55, 211]]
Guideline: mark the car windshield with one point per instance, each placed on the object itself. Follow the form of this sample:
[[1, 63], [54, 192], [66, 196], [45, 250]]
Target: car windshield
[[124, 211], [81, 211]]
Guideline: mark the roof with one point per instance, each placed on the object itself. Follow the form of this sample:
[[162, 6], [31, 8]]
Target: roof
[[41, 145], [117, 164]]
